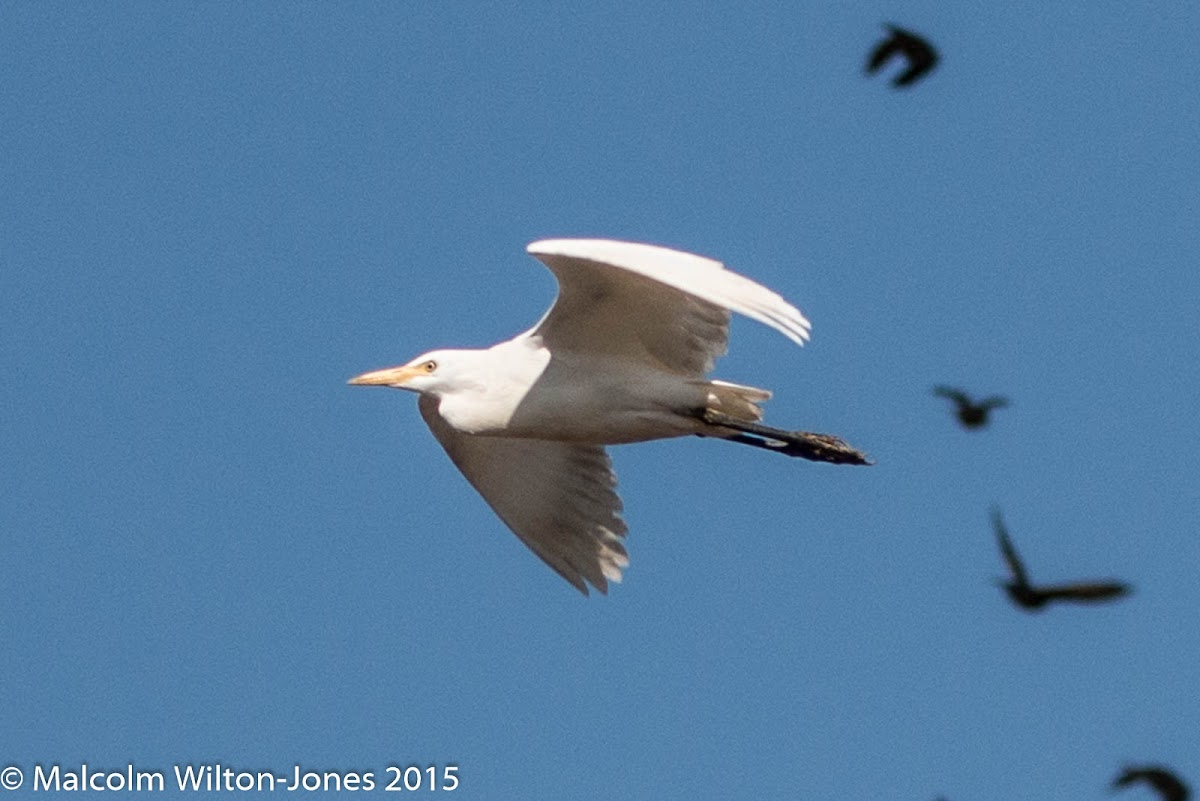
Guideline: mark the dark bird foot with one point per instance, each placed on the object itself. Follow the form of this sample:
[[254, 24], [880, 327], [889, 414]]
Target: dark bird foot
[[802, 444]]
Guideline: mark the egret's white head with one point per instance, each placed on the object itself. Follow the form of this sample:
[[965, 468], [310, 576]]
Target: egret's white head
[[435, 373]]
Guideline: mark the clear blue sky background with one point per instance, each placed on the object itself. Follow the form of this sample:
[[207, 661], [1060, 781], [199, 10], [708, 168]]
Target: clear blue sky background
[[212, 215]]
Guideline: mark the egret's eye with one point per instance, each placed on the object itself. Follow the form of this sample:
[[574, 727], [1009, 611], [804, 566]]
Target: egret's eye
[[429, 366]]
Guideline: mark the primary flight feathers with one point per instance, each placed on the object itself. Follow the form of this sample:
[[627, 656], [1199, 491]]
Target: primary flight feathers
[[702, 278]]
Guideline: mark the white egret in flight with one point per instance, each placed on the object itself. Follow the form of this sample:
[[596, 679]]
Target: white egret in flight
[[620, 357]]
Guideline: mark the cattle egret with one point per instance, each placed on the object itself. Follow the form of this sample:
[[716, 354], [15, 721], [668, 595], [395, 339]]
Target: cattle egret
[[620, 357]]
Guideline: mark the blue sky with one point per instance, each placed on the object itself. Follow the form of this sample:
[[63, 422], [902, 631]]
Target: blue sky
[[215, 551]]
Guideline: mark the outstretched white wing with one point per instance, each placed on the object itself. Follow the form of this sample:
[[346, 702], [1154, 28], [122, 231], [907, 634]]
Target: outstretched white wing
[[664, 307], [559, 498]]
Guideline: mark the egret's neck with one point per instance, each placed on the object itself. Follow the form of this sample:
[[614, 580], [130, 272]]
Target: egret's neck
[[488, 385]]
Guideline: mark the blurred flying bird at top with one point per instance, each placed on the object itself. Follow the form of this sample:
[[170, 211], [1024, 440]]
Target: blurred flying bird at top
[[1164, 782], [1031, 597], [972, 414], [920, 55], [620, 357]]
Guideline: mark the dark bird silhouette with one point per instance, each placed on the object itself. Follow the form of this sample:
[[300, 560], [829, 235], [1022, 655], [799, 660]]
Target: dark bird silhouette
[[972, 414], [1032, 598], [920, 54], [1166, 783]]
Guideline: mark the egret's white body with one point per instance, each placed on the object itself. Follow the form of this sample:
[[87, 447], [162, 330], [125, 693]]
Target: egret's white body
[[620, 357]]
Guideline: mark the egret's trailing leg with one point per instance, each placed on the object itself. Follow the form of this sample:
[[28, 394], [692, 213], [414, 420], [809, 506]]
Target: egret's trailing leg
[[804, 444]]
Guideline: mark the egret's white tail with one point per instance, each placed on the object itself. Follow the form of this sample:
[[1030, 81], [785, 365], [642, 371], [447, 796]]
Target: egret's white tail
[[737, 401]]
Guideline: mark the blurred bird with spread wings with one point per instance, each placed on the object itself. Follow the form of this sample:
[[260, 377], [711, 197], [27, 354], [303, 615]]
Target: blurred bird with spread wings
[[1032, 597], [620, 357], [971, 413], [921, 55], [1164, 781]]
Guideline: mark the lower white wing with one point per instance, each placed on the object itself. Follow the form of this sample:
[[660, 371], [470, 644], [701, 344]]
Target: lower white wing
[[559, 498]]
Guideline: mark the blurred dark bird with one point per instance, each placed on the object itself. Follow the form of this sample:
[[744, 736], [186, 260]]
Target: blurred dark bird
[[1032, 598], [920, 54], [972, 414], [1166, 783]]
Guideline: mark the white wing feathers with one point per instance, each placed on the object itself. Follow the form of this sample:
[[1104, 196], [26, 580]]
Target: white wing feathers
[[626, 302], [559, 498], [701, 278]]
